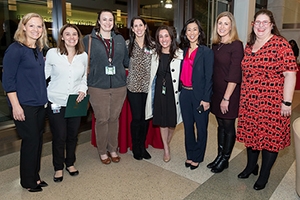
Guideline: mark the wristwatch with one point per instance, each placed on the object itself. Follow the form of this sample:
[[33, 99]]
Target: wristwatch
[[287, 103]]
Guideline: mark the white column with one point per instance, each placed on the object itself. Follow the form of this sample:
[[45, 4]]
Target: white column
[[244, 11]]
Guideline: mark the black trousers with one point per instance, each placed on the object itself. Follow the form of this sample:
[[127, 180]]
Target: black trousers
[[31, 132], [138, 126], [64, 137]]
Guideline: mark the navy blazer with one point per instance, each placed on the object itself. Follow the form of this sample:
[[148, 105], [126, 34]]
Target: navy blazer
[[202, 73]]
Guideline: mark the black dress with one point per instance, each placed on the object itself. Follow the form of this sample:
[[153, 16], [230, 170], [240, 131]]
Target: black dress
[[164, 112]]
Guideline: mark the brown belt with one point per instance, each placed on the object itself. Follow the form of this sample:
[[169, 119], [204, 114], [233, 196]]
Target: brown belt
[[187, 88]]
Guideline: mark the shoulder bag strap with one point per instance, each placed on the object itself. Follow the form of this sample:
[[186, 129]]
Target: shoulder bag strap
[[89, 54]]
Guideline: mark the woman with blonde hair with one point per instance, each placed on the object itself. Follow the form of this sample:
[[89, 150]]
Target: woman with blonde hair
[[227, 76], [25, 85]]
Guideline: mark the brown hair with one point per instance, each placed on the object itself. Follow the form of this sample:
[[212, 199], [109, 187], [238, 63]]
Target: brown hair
[[274, 30], [97, 27], [173, 46], [79, 47]]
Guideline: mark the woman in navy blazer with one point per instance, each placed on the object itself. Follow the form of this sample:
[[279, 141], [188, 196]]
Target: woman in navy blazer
[[196, 82]]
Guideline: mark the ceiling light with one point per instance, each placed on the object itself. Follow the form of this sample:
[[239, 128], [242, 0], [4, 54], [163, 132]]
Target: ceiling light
[[168, 4]]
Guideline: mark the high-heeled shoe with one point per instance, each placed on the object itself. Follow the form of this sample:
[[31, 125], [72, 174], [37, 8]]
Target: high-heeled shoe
[[244, 174], [105, 161], [187, 164], [259, 187], [167, 159], [192, 167], [114, 159], [75, 173]]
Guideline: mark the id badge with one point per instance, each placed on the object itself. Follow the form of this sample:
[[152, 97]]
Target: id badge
[[164, 90], [110, 70], [55, 108]]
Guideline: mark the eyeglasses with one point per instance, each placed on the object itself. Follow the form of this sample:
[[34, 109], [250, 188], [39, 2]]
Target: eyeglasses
[[264, 23]]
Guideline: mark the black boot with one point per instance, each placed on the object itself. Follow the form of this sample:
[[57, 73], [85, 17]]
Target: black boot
[[135, 141], [268, 160], [228, 146], [221, 137], [252, 167], [143, 137]]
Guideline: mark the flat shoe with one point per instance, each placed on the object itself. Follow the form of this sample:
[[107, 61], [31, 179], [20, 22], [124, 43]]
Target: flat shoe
[[57, 179], [75, 173], [38, 188], [43, 184], [146, 155]]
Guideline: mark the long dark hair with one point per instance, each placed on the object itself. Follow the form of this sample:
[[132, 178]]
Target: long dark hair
[[274, 30], [173, 46], [97, 27], [295, 47], [184, 42], [148, 41]]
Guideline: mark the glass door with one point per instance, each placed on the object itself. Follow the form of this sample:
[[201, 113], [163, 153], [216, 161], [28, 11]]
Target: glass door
[[215, 7]]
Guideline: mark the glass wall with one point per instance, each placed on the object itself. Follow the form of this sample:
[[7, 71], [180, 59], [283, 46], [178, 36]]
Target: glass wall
[[81, 13]]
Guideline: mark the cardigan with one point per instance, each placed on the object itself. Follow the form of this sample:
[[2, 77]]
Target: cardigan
[[23, 73]]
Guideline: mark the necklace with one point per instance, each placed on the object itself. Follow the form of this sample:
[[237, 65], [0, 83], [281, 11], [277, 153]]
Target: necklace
[[220, 46]]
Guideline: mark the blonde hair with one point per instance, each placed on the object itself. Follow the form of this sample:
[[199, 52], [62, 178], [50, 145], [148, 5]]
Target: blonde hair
[[233, 34], [20, 34]]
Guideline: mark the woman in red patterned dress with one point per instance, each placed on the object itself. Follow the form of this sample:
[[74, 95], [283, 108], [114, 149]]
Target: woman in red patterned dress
[[269, 76]]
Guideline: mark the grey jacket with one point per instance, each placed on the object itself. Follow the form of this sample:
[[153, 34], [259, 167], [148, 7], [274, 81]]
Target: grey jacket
[[99, 60]]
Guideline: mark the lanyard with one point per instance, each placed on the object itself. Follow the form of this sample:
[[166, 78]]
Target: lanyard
[[108, 48]]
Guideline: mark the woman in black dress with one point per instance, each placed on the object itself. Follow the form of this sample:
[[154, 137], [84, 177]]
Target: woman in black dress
[[165, 66], [227, 76]]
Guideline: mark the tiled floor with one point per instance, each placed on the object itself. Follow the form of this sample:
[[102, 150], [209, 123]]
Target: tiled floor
[[153, 179]]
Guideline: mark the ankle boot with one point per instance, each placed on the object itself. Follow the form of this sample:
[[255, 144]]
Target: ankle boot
[[251, 167], [268, 160], [223, 164], [228, 146], [221, 137]]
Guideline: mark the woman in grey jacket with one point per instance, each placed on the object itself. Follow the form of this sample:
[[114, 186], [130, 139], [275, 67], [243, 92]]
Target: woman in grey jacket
[[106, 82]]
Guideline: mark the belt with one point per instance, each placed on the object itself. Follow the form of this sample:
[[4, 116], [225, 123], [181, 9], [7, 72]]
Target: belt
[[187, 88]]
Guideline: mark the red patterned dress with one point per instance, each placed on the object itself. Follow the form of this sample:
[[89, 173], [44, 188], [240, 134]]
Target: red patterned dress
[[260, 124]]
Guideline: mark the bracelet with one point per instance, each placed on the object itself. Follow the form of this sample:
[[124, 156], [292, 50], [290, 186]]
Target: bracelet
[[225, 99]]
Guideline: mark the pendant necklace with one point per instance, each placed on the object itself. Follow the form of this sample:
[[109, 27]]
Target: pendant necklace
[[220, 46]]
